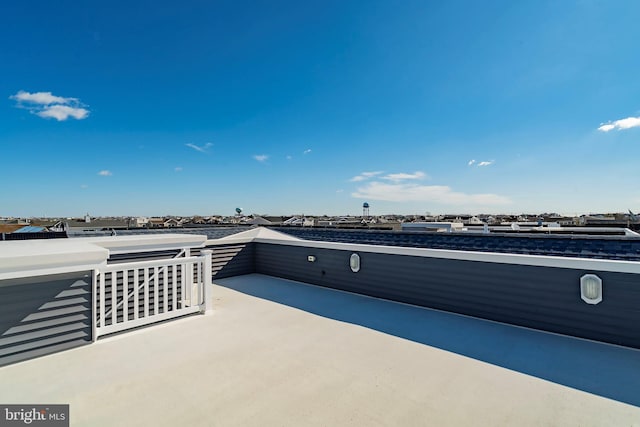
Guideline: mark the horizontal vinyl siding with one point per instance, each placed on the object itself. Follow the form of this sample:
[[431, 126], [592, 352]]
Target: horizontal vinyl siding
[[232, 260], [142, 256], [226, 260], [543, 298], [43, 315]]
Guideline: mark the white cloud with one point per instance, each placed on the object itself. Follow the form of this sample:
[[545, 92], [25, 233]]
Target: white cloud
[[63, 112], [202, 149], [49, 106], [479, 164], [628, 123], [105, 173], [364, 176], [396, 177], [486, 163], [178, 169], [261, 157], [44, 98], [307, 151], [425, 193]]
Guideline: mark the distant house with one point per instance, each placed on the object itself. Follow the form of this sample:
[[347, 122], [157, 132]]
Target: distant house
[[347, 221], [258, 220], [198, 220], [141, 221], [475, 221], [232, 219], [275, 220], [95, 224], [294, 221], [156, 222], [213, 220], [171, 223]]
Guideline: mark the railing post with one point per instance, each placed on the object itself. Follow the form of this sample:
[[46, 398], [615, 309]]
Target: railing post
[[94, 304], [207, 286]]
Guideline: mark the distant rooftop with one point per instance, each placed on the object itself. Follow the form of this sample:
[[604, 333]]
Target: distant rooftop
[[582, 246], [601, 247]]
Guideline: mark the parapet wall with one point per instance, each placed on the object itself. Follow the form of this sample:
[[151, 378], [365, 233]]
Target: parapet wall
[[531, 291]]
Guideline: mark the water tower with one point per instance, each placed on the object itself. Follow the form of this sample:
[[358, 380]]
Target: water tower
[[365, 210]]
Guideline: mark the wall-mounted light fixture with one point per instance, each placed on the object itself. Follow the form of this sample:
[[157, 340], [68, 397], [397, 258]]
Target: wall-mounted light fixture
[[354, 262], [311, 258], [591, 288]]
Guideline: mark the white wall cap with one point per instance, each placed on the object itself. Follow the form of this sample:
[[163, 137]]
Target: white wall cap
[[452, 225], [254, 233], [22, 258], [147, 242]]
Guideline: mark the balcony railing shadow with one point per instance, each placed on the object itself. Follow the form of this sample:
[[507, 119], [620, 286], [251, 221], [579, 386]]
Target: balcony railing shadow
[[605, 370]]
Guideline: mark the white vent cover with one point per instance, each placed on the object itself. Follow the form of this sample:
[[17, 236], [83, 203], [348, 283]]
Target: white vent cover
[[591, 288]]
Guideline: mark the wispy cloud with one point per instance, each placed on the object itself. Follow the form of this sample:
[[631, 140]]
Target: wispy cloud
[[397, 177], [628, 123], [339, 190], [49, 106], [486, 163], [63, 112], [178, 169], [411, 192], [364, 176], [479, 164], [84, 186], [307, 151], [105, 173], [44, 98], [201, 148], [261, 157]]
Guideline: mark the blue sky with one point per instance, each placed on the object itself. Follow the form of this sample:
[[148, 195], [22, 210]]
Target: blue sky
[[282, 107]]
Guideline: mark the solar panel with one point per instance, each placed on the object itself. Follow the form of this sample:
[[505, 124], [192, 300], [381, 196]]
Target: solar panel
[[30, 229]]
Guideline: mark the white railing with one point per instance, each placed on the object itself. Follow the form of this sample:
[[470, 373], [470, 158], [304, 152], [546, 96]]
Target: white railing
[[134, 294]]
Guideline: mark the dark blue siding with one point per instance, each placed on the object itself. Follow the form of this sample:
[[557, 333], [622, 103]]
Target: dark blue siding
[[543, 298], [232, 260], [42, 315]]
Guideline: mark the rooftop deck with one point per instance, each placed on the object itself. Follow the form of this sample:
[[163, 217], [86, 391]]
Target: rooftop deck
[[278, 352]]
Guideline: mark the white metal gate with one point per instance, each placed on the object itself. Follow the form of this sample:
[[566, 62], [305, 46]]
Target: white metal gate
[[134, 294]]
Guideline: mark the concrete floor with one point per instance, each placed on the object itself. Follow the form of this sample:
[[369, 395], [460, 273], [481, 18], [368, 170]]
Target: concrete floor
[[259, 362]]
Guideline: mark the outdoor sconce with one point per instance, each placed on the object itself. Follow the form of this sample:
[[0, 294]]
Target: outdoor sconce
[[591, 288], [354, 262]]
